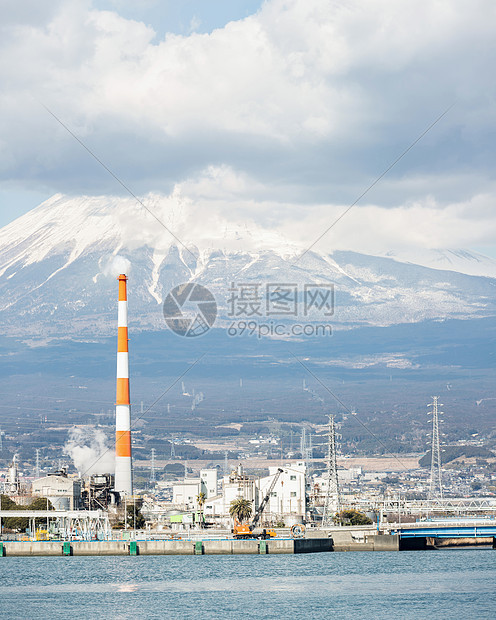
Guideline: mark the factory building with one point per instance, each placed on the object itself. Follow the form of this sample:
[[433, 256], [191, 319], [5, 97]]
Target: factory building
[[63, 492], [99, 493], [287, 501], [209, 479], [12, 485], [185, 494], [237, 484], [288, 496], [215, 507]]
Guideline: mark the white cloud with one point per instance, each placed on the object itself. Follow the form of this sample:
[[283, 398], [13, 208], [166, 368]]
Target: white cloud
[[282, 117], [216, 209], [420, 224]]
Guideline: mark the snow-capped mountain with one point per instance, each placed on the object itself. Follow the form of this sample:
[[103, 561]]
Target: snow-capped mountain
[[58, 265], [463, 261]]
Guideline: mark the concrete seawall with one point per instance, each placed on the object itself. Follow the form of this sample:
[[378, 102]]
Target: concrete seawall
[[165, 547], [371, 543], [358, 539], [317, 542]]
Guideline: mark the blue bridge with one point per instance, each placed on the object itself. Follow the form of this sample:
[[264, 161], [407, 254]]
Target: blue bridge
[[444, 530]]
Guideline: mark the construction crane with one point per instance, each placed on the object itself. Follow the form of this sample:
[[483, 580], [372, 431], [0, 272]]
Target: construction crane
[[266, 498], [246, 530]]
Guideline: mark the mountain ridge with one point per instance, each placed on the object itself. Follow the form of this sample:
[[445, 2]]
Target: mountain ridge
[[57, 265]]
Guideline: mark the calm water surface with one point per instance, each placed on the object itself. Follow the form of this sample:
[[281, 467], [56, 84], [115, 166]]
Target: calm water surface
[[458, 583]]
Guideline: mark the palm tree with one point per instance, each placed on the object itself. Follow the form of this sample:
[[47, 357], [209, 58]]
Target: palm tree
[[200, 500], [240, 509]]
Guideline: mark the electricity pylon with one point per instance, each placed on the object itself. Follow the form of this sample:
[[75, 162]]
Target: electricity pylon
[[332, 503], [436, 481], [153, 479], [37, 466]]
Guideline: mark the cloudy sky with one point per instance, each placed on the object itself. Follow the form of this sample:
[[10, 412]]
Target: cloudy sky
[[280, 112]]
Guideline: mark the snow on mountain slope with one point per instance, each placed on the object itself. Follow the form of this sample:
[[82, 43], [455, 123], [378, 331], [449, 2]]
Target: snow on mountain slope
[[462, 261], [58, 265], [74, 226]]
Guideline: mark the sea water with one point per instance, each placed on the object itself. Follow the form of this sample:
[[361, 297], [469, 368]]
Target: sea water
[[449, 583]]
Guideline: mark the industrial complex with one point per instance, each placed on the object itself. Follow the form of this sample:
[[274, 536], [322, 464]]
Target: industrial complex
[[291, 500]]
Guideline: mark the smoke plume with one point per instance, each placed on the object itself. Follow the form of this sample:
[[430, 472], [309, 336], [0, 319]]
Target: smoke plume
[[89, 451]]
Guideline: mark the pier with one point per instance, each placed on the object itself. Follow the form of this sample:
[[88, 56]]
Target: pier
[[165, 547]]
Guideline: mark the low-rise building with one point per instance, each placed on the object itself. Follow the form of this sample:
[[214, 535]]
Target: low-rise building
[[209, 479], [186, 493]]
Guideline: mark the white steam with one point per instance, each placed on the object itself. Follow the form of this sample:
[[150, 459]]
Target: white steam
[[116, 265], [89, 451]]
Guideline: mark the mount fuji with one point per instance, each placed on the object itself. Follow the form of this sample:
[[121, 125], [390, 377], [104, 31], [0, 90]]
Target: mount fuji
[[58, 265]]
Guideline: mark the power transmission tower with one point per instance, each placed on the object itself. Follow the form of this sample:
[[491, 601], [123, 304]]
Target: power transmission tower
[[304, 447], [332, 503], [436, 481], [303, 442], [153, 480], [37, 470], [309, 454]]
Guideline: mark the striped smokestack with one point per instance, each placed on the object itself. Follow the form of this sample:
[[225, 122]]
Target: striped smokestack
[[123, 475]]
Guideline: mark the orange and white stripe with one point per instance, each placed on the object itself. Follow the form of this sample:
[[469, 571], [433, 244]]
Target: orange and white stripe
[[123, 475]]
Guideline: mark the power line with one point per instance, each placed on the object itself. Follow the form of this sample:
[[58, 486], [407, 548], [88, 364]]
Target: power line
[[148, 409], [114, 176], [366, 191], [353, 413]]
